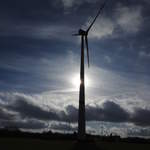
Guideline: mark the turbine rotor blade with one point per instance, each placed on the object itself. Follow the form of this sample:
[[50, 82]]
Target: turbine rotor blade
[[99, 12], [87, 48]]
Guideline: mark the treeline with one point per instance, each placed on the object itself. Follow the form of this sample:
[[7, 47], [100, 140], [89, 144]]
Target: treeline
[[6, 133]]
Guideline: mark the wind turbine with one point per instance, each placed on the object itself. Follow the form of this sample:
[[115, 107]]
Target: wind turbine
[[84, 41]]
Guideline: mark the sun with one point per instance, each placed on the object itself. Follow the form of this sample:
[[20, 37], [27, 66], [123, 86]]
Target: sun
[[75, 80]]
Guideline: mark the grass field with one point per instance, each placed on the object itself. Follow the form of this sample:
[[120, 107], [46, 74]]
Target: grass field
[[31, 144]]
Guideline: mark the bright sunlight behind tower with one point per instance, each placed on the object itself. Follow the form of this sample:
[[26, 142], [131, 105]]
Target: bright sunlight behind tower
[[75, 80]]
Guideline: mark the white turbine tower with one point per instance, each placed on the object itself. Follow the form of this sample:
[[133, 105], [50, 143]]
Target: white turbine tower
[[84, 41]]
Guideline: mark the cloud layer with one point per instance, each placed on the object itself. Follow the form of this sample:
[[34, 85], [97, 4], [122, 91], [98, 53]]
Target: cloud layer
[[24, 111]]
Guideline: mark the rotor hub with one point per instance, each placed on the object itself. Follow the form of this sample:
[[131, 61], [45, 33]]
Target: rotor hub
[[82, 32]]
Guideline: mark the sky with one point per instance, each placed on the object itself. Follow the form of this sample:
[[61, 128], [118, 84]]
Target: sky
[[40, 64]]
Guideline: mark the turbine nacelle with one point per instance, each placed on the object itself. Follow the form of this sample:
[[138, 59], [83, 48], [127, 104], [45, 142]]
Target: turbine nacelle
[[82, 32]]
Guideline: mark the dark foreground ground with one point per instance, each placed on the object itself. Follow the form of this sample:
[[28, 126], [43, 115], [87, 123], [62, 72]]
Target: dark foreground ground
[[37, 144], [17, 140]]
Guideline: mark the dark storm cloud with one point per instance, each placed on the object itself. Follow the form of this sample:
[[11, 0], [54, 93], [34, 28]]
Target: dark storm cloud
[[25, 124], [141, 117], [25, 113], [109, 111], [112, 112], [4, 115], [71, 113], [29, 110]]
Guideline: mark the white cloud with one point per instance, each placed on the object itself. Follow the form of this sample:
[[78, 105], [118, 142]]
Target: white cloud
[[129, 18], [68, 3], [102, 28], [71, 3]]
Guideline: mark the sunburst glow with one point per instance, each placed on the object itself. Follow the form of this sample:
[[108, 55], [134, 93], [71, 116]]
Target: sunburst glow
[[75, 80]]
